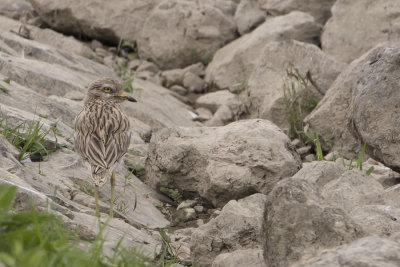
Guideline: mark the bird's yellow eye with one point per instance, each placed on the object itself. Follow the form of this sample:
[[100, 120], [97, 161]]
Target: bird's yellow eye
[[107, 90]]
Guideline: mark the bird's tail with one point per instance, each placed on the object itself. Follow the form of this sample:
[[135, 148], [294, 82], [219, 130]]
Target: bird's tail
[[100, 175]]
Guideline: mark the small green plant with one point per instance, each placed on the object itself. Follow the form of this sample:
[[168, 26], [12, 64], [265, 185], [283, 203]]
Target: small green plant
[[4, 89], [172, 193], [7, 80], [4, 51], [163, 208], [87, 189], [29, 141], [136, 153], [359, 161], [168, 254], [297, 99], [170, 189], [31, 238], [95, 58], [315, 139]]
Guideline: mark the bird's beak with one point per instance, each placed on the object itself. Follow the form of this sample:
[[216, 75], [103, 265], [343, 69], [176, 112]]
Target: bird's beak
[[126, 97]]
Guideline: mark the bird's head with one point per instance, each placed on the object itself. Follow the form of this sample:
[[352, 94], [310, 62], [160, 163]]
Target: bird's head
[[108, 89]]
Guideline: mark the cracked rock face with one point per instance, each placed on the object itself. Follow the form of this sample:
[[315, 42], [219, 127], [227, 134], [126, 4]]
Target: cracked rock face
[[237, 227], [178, 33], [221, 163]]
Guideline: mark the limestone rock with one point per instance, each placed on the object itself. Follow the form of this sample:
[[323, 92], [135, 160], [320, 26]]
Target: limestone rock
[[214, 100], [320, 10], [332, 117], [357, 26], [237, 227], [222, 116], [375, 106], [298, 222], [248, 15], [269, 86], [320, 172], [353, 189], [108, 21], [179, 90], [179, 33], [172, 77], [222, 163], [368, 251], [157, 107], [14, 8], [203, 114], [49, 37], [241, 257], [233, 64], [193, 83]]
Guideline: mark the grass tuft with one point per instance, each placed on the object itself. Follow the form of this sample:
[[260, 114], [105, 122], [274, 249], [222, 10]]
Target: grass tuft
[[28, 139], [31, 238]]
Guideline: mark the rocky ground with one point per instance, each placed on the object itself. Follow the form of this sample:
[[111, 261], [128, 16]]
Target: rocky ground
[[266, 132]]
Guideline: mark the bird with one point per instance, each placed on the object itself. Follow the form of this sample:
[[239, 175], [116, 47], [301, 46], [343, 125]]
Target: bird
[[102, 132]]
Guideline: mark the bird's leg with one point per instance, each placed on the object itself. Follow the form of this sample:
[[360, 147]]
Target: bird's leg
[[112, 194], [96, 196]]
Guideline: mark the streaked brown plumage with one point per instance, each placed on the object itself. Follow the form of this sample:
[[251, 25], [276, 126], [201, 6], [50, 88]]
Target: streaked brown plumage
[[102, 133]]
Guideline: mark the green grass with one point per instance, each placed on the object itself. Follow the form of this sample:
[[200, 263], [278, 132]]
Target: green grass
[[317, 144], [7, 80], [27, 137], [170, 189], [168, 254], [34, 239], [297, 99], [4, 89]]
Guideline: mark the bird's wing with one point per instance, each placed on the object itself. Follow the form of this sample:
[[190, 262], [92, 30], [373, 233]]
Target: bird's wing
[[102, 137], [118, 138]]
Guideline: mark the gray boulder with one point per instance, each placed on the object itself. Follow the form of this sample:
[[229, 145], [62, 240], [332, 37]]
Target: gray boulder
[[237, 227], [369, 251], [275, 83], [222, 163], [332, 118], [375, 106], [241, 257], [298, 222], [179, 33], [108, 21], [232, 65], [248, 15], [357, 26], [320, 10]]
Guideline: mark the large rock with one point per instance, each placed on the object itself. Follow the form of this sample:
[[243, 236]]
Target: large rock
[[375, 106], [108, 21], [248, 15], [32, 49], [241, 257], [14, 8], [332, 117], [369, 251], [233, 64], [269, 90], [178, 33], [359, 25], [320, 10], [157, 107], [298, 222], [320, 172], [237, 227], [49, 37], [222, 163], [214, 100]]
